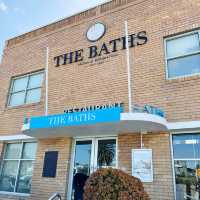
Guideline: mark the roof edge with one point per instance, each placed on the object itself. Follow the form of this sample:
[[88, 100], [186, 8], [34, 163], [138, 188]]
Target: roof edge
[[78, 17]]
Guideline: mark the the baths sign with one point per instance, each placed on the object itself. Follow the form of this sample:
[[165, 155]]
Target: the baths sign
[[106, 48], [76, 119]]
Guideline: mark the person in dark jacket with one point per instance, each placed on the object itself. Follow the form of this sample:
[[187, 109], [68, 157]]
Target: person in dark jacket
[[78, 185]]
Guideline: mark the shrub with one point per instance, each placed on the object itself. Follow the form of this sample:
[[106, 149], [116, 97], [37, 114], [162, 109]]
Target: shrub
[[113, 184]]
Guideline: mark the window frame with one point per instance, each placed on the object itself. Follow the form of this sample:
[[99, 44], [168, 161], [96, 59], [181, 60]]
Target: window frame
[[179, 56], [18, 165], [26, 90]]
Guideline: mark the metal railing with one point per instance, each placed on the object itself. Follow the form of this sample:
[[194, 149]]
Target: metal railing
[[189, 197], [55, 196]]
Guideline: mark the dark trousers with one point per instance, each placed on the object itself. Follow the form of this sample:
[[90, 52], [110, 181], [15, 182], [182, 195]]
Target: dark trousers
[[78, 194]]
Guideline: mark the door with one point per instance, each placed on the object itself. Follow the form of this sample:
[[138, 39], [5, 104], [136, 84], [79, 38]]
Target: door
[[90, 155]]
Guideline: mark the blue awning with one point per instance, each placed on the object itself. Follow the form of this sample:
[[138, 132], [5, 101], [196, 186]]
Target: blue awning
[[94, 123]]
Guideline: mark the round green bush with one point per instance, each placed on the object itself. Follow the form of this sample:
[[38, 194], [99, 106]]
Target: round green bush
[[113, 184]]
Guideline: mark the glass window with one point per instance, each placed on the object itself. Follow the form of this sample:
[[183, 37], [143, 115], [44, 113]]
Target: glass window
[[186, 146], [33, 95], [25, 177], [179, 66], [17, 167], [183, 55], [186, 150], [25, 89], [83, 157], [20, 84], [13, 151], [183, 45], [17, 99], [106, 153], [35, 81], [29, 150], [8, 176], [82, 164]]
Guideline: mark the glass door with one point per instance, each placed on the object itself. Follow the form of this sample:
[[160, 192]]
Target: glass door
[[89, 156], [81, 168]]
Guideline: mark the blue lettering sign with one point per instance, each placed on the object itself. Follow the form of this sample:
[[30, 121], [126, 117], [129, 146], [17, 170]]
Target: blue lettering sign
[[148, 109], [76, 119]]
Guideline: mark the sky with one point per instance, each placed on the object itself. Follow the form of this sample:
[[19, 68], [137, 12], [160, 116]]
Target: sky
[[21, 16]]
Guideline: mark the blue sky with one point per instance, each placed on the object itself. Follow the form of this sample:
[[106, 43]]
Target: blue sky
[[20, 16]]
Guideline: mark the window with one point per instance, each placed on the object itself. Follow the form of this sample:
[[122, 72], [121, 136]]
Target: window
[[25, 89], [17, 167], [186, 151], [183, 55]]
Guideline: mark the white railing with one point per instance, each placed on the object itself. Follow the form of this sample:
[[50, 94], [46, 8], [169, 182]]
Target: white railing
[[55, 196], [189, 197]]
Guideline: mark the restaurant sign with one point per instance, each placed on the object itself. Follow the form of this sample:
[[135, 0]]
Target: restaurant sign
[[94, 107], [76, 119], [103, 49]]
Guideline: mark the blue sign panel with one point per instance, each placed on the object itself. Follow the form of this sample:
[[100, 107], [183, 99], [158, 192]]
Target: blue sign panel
[[76, 119]]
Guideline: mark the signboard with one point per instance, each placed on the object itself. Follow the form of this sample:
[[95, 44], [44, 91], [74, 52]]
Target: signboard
[[148, 109], [142, 166], [76, 119], [94, 107], [104, 49]]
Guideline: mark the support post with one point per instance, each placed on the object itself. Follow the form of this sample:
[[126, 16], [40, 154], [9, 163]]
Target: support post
[[128, 69], [46, 81]]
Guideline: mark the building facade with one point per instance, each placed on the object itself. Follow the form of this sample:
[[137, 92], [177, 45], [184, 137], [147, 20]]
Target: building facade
[[67, 105]]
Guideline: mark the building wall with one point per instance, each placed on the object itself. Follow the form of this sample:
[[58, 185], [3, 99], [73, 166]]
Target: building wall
[[79, 85], [161, 188], [47, 186], [43, 188], [75, 85], [162, 185]]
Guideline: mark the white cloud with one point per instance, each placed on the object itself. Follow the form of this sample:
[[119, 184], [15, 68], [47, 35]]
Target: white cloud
[[3, 7]]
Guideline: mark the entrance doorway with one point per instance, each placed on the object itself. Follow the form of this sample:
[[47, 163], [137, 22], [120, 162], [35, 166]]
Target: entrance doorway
[[90, 155]]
